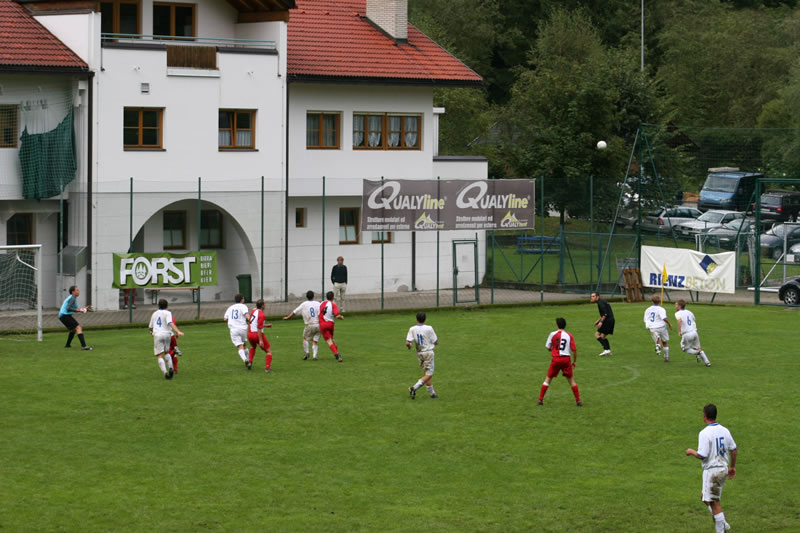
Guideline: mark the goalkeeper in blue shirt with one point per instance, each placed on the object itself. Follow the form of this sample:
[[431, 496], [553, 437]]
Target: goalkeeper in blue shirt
[[69, 307]]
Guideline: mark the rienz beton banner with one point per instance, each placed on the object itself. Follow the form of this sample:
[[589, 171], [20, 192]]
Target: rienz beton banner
[[422, 205], [688, 270], [164, 269]]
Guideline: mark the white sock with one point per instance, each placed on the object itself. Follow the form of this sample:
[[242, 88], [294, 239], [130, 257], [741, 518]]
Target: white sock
[[168, 360], [315, 349], [666, 352], [244, 355], [162, 365], [719, 522], [430, 389], [704, 358], [418, 384], [305, 347]]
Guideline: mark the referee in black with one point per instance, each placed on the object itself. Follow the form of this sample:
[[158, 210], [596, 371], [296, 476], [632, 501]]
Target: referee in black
[[604, 324]]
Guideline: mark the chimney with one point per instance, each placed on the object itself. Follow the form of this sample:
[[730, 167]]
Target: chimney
[[391, 16]]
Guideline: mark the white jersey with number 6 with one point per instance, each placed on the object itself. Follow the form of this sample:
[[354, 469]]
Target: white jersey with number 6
[[687, 321], [310, 311], [423, 336], [160, 321], [235, 316]]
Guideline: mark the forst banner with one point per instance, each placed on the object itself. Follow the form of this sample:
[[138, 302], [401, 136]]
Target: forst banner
[[688, 270], [422, 205], [163, 269]]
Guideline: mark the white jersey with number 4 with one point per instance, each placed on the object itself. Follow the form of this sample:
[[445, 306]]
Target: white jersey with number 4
[[160, 321], [687, 321], [310, 311], [423, 336], [714, 443], [235, 316], [654, 317]]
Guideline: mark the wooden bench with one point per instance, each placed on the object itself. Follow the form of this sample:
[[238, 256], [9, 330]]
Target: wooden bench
[[538, 245], [154, 292]]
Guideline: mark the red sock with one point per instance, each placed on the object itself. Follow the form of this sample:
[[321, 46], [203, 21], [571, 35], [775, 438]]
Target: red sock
[[252, 353], [576, 393], [268, 360], [174, 362], [542, 392], [334, 349], [173, 342]]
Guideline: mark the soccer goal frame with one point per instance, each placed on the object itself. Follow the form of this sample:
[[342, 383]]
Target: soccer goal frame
[[36, 267]]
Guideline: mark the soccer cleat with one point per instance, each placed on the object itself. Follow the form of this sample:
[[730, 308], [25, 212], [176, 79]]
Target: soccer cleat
[[178, 352], [434, 395], [170, 371], [605, 353], [67, 346], [268, 370], [540, 402], [412, 392], [167, 376], [579, 403], [86, 348], [339, 357], [249, 365], [727, 526], [315, 359], [305, 357], [666, 359], [658, 349], [708, 364]]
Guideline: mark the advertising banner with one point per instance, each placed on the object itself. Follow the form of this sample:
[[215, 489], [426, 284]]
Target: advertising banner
[[424, 205], [163, 269], [689, 270]]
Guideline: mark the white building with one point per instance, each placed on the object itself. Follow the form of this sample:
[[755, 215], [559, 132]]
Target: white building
[[206, 110]]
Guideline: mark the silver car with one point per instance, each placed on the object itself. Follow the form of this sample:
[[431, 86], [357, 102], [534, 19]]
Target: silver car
[[664, 219], [710, 219], [725, 235]]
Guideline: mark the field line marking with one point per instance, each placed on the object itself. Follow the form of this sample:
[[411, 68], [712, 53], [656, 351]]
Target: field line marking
[[634, 376]]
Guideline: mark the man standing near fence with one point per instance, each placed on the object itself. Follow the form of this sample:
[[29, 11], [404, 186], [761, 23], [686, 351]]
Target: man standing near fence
[[339, 280], [604, 324]]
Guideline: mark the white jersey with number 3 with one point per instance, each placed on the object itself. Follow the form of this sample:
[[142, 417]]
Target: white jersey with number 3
[[687, 321], [423, 336], [654, 317], [310, 311]]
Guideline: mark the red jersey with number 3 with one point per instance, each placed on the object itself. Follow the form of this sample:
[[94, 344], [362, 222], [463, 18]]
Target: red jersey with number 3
[[327, 313], [561, 344]]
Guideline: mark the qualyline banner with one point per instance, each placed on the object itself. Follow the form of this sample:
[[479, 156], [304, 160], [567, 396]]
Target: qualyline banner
[[421, 205], [688, 270], [164, 269]]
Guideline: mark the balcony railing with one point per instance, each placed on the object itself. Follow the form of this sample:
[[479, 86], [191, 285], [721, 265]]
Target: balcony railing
[[223, 43]]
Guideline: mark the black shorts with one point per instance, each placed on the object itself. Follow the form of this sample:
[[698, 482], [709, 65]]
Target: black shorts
[[69, 322], [606, 327]]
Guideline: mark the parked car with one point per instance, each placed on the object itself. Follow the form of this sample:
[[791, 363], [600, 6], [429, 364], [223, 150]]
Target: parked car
[[772, 240], [780, 205], [664, 219], [709, 220], [725, 236], [790, 292]]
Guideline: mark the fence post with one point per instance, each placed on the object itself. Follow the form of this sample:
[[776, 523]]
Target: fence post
[[438, 195], [261, 282], [591, 229], [322, 290], [382, 257], [199, 215], [130, 293], [541, 248], [492, 264]]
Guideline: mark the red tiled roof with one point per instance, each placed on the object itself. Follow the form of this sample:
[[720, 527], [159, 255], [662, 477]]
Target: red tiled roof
[[27, 45], [333, 39]]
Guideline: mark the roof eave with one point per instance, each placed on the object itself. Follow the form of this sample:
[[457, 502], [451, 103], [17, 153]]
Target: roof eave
[[32, 69], [368, 80]]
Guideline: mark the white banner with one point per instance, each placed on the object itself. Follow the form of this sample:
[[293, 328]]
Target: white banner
[[689, 270]]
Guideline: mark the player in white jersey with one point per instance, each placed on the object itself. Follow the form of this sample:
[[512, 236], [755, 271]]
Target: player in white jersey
[[655, 320], [717, 449], [161, 327], [310, 312], [425, 340], [687, 329], [238, 317]]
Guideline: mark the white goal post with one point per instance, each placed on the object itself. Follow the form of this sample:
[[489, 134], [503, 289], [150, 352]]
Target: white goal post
[[21, 287]]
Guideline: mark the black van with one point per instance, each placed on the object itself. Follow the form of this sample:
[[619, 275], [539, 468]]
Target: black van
[[780, 205]]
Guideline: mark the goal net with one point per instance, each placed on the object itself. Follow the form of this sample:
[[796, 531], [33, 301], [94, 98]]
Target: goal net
[[20, 280]]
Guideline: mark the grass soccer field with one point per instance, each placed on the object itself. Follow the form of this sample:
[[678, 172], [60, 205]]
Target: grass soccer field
[[100, 441]]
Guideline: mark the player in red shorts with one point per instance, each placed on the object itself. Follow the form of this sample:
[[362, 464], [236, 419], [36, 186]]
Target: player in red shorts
[[328, 312], [255, 334], [174, 351], [561, 345]]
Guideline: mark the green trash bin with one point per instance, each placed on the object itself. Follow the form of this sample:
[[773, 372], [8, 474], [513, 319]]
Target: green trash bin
[[246, 286]]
